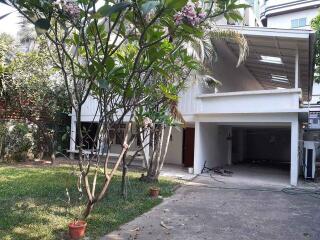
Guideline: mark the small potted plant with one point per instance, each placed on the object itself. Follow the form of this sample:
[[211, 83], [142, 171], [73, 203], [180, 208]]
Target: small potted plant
[[77, 229], [154, 192]]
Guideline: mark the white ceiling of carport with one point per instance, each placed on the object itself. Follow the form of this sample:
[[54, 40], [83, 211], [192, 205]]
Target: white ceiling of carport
[[284, 48]]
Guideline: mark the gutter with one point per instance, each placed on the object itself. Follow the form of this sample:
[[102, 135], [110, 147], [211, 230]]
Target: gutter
[[312, 64]]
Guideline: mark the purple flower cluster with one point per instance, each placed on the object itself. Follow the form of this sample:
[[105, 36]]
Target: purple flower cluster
[[70, 8], [190, 14]]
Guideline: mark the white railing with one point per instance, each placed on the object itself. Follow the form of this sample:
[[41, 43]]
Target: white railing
[[277, 100]]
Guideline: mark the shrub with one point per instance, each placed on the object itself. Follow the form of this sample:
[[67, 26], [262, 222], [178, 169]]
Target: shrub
[[16, 141]]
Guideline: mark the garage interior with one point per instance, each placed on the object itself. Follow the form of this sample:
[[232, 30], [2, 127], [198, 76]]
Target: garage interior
[[261, 153], [254, 154]]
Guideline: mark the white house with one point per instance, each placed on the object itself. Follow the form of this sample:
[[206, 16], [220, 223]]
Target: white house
[[255, 114], [288, 13], [264, 93]]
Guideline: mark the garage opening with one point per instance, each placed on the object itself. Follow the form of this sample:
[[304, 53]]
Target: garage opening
[[254, 154], [261, 153]]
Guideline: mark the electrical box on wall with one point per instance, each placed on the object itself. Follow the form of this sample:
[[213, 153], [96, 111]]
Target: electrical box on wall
[[311, 151], [314, 120]]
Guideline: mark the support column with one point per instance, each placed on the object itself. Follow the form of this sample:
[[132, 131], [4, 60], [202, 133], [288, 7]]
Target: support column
[[73, 136], [294, 167], [146, 150], [296, 73], [197, 166]]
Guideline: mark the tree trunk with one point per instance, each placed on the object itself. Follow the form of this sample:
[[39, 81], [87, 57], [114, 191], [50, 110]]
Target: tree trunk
[[53, 157], [124, 175], [88, 209], [152, 175], [163, 157]]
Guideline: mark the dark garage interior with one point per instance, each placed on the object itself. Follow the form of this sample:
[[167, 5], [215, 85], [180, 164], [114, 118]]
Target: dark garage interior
[[260, 151]]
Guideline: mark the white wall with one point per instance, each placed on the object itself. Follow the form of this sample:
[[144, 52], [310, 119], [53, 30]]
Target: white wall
[[211, 146], [284, 20], [278, 100], [232, 78], [174, 155]]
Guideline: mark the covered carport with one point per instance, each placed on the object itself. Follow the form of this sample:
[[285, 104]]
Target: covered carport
[[256, 147], [281, 62]]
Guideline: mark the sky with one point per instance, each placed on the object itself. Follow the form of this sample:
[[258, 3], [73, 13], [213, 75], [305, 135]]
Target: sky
[[9, 24]]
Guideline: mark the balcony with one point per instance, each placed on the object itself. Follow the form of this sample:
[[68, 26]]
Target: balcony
[[262, 101]]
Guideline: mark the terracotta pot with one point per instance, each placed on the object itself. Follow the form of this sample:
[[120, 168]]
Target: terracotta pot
[[154, 192], [77, 229]]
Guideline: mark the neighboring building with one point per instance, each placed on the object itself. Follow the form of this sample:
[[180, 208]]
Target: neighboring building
[[287, 14]]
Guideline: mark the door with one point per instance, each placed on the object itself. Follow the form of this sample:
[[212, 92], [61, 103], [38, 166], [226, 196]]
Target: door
[[188, 147]]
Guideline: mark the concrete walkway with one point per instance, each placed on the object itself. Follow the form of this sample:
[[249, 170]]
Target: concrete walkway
[[208, 209]]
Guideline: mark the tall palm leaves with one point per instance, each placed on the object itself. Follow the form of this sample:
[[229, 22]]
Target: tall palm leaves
[[203, 49], [233, 36]]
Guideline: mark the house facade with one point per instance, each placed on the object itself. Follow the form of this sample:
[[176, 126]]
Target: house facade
[[265, 93], [256, 114]]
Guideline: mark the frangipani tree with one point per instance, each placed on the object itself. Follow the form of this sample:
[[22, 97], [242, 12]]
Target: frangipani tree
[[117, 51]]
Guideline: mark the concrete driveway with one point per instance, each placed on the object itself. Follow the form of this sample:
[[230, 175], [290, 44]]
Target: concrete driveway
[[208, 209]]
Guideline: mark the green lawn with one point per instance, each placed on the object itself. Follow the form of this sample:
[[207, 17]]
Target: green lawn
[[32, 203]]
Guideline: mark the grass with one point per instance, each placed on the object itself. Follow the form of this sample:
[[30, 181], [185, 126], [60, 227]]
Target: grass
[[33, 203]]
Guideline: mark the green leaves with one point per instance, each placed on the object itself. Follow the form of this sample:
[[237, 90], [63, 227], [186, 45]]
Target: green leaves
[[107, 10], [230, 9], [102, 83], [169, 91], [175, 4], [110, 64], [42, 25]]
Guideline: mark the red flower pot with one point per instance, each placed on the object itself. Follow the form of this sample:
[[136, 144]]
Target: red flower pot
[[77, 229], [154, 192]]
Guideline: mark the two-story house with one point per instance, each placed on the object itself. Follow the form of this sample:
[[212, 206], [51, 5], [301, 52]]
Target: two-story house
[[256, 114]]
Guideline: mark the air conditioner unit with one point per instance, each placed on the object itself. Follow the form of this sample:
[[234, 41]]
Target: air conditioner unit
[[310, 153]]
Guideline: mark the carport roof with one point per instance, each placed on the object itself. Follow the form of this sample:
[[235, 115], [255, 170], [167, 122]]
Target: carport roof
[[280, 46]]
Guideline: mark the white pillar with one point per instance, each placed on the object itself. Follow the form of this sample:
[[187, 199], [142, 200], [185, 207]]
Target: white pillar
[[296, 73], [198, 156], [146, 150], [294, 169], [73, 136]]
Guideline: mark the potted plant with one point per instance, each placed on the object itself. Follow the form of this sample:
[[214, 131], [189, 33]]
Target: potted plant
[[154, 192], [77, 229]]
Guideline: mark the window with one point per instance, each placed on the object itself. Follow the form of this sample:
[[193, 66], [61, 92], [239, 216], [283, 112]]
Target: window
[[279, 78], [302, 22], [271, 59], [299, 22], [295, 23]]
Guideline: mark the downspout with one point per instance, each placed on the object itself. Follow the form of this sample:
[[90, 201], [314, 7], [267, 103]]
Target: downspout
[[312, 65]]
